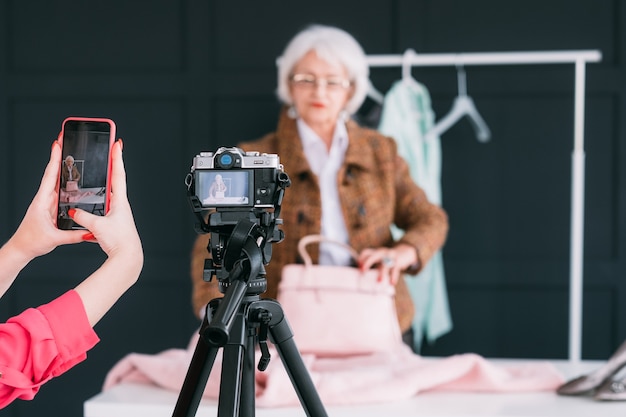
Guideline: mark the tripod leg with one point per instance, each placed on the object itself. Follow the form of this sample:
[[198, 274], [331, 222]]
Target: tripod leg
[[197, 376], [237, 386], [282, 337], [230, 383], [248, 378]]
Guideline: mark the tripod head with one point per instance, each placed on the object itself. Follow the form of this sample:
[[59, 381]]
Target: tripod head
[[243, 257]]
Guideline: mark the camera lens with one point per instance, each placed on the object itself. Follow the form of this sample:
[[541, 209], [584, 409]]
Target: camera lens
[[225, 160]]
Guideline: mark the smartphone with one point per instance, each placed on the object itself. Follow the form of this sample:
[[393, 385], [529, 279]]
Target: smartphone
[[85, 175]]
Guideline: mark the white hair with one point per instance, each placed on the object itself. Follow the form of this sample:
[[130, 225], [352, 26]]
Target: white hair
[[334, 46]]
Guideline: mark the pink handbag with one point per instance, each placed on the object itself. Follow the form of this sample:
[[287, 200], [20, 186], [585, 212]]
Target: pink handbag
[[338, 310], [71, 186]]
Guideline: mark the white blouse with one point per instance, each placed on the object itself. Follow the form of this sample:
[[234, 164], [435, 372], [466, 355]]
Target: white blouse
[[326, 165]]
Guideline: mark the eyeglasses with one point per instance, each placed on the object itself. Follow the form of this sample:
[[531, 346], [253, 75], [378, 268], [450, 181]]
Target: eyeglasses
[[311, 81]]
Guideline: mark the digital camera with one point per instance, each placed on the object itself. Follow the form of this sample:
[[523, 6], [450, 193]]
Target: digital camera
[[240, 191], [232, 178]]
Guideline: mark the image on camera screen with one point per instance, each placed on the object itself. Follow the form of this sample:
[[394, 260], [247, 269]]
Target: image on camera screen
[[223, 188]]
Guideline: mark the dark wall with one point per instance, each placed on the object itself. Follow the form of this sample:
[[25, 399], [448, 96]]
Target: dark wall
[[179, 77]]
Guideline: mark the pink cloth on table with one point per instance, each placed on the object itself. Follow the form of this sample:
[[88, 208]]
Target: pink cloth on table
[[73, 196], [382, 377]]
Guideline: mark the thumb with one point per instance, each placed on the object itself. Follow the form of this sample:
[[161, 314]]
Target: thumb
[[82, 217]]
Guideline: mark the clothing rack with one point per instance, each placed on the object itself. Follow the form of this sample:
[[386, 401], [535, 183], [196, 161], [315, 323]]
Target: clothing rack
[[579, 58]]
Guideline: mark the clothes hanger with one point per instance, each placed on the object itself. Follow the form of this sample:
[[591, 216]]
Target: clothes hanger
[[407, 77], [376, 95], [463, 106]]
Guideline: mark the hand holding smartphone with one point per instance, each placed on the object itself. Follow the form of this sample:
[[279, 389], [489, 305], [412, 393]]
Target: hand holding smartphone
[[84, 179]]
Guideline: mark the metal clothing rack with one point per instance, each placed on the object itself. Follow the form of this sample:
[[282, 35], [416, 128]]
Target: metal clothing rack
[[579, 58]]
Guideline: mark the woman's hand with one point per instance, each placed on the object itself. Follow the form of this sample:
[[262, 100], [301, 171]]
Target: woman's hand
[[117, 235], [390, 261], [38, 233], [115, 232]]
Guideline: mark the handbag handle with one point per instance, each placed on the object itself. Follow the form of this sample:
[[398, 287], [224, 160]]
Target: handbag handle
[[308, 239]]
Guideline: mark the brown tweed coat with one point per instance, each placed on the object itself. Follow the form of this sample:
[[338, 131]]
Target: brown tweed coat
[[375, 189]]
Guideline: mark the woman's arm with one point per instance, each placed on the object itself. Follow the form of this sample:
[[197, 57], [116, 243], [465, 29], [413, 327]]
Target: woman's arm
[[42, 343], [425, 225], [37, 234], [116, 233], [75, 174]]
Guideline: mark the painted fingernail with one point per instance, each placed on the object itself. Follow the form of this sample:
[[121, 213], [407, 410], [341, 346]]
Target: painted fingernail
[[71, 212], [54, 143], [121, 143], [88, 236]]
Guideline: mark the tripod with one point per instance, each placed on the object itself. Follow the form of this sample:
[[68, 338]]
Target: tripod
[[232, 323]]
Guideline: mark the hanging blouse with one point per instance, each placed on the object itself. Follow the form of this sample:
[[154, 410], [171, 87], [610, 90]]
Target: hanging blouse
[[407, 116]]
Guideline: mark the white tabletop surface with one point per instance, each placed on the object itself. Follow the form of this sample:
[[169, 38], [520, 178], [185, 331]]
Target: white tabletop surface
[[135, 400]]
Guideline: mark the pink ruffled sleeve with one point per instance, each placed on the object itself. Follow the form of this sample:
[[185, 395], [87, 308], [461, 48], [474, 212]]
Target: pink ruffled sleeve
[[42, 343]]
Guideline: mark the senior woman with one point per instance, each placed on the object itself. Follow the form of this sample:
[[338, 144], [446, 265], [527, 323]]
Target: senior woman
[[348, 182], [69, 171]]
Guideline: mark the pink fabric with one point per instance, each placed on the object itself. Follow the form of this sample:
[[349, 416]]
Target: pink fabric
[[42, 343], [73, 196], [380, 377]]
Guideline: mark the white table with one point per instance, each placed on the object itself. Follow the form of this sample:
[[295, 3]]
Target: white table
[[135, 400]]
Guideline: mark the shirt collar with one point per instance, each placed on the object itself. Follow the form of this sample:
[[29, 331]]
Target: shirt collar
[[359, 152], [310, 139]]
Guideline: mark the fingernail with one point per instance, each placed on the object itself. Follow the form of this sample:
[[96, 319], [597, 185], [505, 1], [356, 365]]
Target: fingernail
[[121, 144], [55, 143], [71, 212], [88, 236]]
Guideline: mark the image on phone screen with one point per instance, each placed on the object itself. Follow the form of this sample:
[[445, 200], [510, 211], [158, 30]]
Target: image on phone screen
[[84, 170]]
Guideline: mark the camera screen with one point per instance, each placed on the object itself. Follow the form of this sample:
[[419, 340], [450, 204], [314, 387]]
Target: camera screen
[[219, 188]]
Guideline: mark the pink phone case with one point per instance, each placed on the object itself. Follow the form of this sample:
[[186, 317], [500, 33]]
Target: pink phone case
[[112, 134]]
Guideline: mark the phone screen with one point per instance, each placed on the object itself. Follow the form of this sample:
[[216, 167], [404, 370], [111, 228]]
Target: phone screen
[[84, 177]]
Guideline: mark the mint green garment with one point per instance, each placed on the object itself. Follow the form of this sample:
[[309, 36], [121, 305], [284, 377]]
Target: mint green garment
[[407, 116]]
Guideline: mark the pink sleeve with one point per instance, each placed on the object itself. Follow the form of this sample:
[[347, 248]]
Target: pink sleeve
[[42, 343]]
